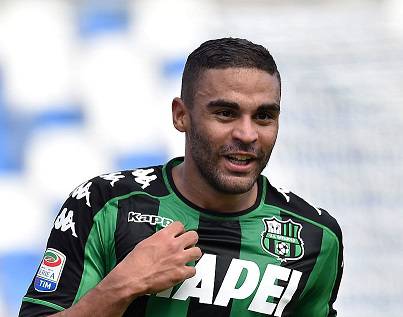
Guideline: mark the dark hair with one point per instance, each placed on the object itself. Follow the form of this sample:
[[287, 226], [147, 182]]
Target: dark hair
[[224, 53]]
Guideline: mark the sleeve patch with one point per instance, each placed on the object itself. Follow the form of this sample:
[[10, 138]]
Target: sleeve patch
[[50, 270]]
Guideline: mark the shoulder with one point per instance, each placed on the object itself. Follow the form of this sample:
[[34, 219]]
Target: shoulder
[[293, 204], [94, 193]]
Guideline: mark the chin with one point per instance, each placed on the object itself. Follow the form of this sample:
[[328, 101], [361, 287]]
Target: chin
[[233, 185]]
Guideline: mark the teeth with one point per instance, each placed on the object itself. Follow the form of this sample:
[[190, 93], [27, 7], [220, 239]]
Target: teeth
[[240, 157]]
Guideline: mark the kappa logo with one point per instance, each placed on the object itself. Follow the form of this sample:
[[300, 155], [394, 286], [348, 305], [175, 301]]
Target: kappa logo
[[151, 219], [282, 239], [82, 191], [112, 177], [284, 192], [142, 177], [48, 276], [65, 222]]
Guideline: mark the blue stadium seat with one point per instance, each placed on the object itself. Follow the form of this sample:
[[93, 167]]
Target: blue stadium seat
[[134, 160], [16, 272], [15, 129], [102, 17], [10, 138], [66, 115], [3, 130], [173, 68]]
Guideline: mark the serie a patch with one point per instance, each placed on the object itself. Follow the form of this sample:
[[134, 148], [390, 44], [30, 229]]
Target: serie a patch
[[50, 270]]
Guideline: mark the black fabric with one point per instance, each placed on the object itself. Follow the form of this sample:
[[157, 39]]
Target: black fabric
[[30, 309], [224, 240], [129, 233], [312, 237]]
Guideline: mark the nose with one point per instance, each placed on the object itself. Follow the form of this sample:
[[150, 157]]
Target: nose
[[245, 131]]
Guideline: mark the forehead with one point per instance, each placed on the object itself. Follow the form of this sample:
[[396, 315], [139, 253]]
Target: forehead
[[237, 84]]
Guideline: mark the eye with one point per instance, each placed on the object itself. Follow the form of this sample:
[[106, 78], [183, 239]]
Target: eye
[[264, 116], [225, 114]]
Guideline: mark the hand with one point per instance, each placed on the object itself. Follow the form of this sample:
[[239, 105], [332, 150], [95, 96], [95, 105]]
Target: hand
[[157, 263]]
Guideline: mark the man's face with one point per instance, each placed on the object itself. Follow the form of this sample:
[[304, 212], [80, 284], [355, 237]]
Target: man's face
[[233, 126]]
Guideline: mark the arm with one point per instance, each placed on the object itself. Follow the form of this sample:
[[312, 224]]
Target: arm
[[155, 264]]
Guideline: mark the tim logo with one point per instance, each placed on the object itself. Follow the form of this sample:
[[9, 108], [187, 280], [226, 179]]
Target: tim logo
[[48, 276]]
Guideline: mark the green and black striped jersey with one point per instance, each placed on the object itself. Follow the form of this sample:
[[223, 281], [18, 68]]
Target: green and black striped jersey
[[280, 257]]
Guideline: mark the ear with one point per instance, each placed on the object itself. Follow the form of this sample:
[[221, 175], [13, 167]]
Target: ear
[[179, 114]]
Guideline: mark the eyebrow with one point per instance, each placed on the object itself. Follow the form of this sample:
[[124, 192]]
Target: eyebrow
[[221, 103]]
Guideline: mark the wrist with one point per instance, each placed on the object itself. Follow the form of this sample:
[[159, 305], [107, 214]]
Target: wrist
[[120, 289]]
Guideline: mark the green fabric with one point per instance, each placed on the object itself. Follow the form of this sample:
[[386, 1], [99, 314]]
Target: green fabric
[[95, 253], [99, 253], [42, 302], [173, 208], [324, 270], [252, 227]]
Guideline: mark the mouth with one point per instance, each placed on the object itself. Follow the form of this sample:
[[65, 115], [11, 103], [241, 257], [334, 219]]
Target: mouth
[[240, 159]]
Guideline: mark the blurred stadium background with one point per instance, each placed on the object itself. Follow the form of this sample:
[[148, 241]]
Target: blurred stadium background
[[86, 87]]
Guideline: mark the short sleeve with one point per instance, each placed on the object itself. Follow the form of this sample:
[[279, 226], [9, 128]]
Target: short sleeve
[[57, 281]]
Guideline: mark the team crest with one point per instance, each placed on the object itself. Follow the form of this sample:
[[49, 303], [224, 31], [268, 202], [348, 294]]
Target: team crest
[[282, 239]]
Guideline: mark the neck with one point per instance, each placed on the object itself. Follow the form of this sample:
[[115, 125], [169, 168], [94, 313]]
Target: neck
[[194, 188]]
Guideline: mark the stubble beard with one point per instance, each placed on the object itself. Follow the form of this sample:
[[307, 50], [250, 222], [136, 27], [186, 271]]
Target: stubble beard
[[206, 161]]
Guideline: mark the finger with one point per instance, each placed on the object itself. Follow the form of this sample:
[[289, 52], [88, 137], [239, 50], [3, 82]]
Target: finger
[[188, 271], [192, 254], [174, 229], [188, 238]]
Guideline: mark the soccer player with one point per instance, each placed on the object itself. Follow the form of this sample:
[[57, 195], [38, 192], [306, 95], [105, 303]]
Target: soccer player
[[205, 234]]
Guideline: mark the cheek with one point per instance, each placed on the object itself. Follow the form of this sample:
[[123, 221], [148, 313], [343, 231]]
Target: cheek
[[268, 139], [217, 134]]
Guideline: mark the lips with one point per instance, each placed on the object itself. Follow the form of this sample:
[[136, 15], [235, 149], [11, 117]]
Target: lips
[[240, 159], [239, 162]]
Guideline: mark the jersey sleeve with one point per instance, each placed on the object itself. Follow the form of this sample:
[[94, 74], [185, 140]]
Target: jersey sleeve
[[70, 256], [338, 270], [323, 284]]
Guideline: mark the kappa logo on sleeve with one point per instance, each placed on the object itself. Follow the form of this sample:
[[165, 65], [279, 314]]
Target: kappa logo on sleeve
[[48, 276], [112, 177], [82, 191], [143, 178], [65, 222]]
